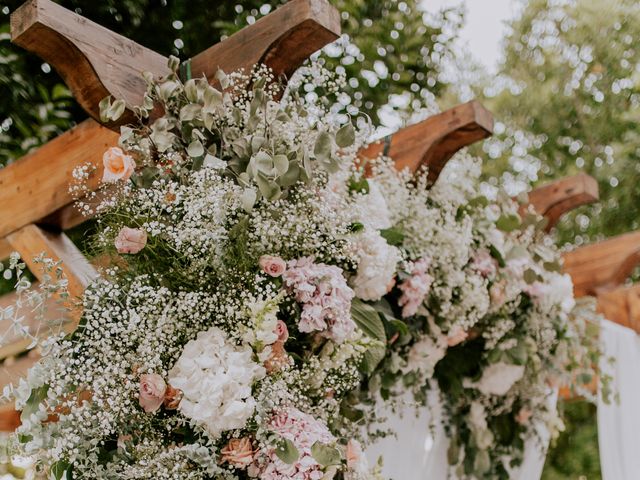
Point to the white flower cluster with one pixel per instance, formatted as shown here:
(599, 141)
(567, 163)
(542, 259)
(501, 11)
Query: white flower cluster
(216, 379)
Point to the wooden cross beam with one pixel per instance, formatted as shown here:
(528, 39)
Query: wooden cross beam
(603, 266)
(557, 198)
(622, 305)
(435, 140)
(96, 62)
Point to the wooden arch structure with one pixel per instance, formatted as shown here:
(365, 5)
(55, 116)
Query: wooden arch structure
(95, 62)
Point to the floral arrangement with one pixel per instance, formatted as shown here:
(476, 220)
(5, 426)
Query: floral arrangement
(266, 286)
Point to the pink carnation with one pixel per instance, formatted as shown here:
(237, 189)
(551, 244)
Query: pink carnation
(325, 297)
(415, 288)
(303, 431)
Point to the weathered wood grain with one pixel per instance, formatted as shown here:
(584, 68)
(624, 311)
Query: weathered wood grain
(38, 184)
(31, 241)
(557, 198)
(435, 140)
(622, 305)
(603, 266)
(53, 319)
(96, 62)
(92, 60)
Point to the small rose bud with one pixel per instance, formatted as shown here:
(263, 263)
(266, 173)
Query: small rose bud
(130, 240)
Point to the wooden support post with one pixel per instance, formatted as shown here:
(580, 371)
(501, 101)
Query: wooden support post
(557, 198)
(603, 266)
(96, 62)
(435, 140)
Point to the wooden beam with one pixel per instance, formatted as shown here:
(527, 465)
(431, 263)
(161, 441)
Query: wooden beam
(622, 305)
(12, 343)
(96, 62)
(557, 198)
(282, 40)
(92, 60)
(603, 266)
(5, 249)
(38, 184)
(435, 140)
(31, 241)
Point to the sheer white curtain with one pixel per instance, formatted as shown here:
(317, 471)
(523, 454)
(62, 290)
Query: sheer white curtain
(418, 453)
(619, 423)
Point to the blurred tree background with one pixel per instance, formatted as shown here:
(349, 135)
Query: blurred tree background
(565, 99)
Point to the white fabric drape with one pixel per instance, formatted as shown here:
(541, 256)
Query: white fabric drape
(619, 423)
(418, 453)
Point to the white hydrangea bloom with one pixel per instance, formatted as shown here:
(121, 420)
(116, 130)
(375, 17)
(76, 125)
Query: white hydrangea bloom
(425, 354)
(215, 377)
(376, 267)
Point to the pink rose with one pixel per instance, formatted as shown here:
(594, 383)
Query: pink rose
(130, 240)
(117, 165)
(238, 452)
(152, 390)
(523, 416)
(456, 335)
(274, 266)
(281, 331)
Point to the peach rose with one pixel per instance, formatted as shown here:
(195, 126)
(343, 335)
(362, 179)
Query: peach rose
(152, 390)
(172, 398)
(278, 358)
(117, 165)
(238, 452)
(456, 335)
(130, 240)
(353, 454)
(281, 331)
(523, 416)
(274, 266)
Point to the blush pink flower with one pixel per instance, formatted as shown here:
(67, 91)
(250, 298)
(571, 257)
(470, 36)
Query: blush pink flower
(354, 453)
(303, 431)
(117, 165)
(325, 298)
(152, 390)
(281, 331)
(273, 266)
(130, 240)
(415, 288)
(278, 358)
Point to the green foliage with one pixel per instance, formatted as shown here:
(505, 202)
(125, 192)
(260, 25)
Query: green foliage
(399, 51)
(572, 104)
(575, 454)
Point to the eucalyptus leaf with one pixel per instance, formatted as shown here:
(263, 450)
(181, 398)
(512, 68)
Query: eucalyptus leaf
(325, 455)
(248, 199)
(323, 146)
(346, 136)
(287, 451)
(195, 149)
(392, 236)
(508, 223)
